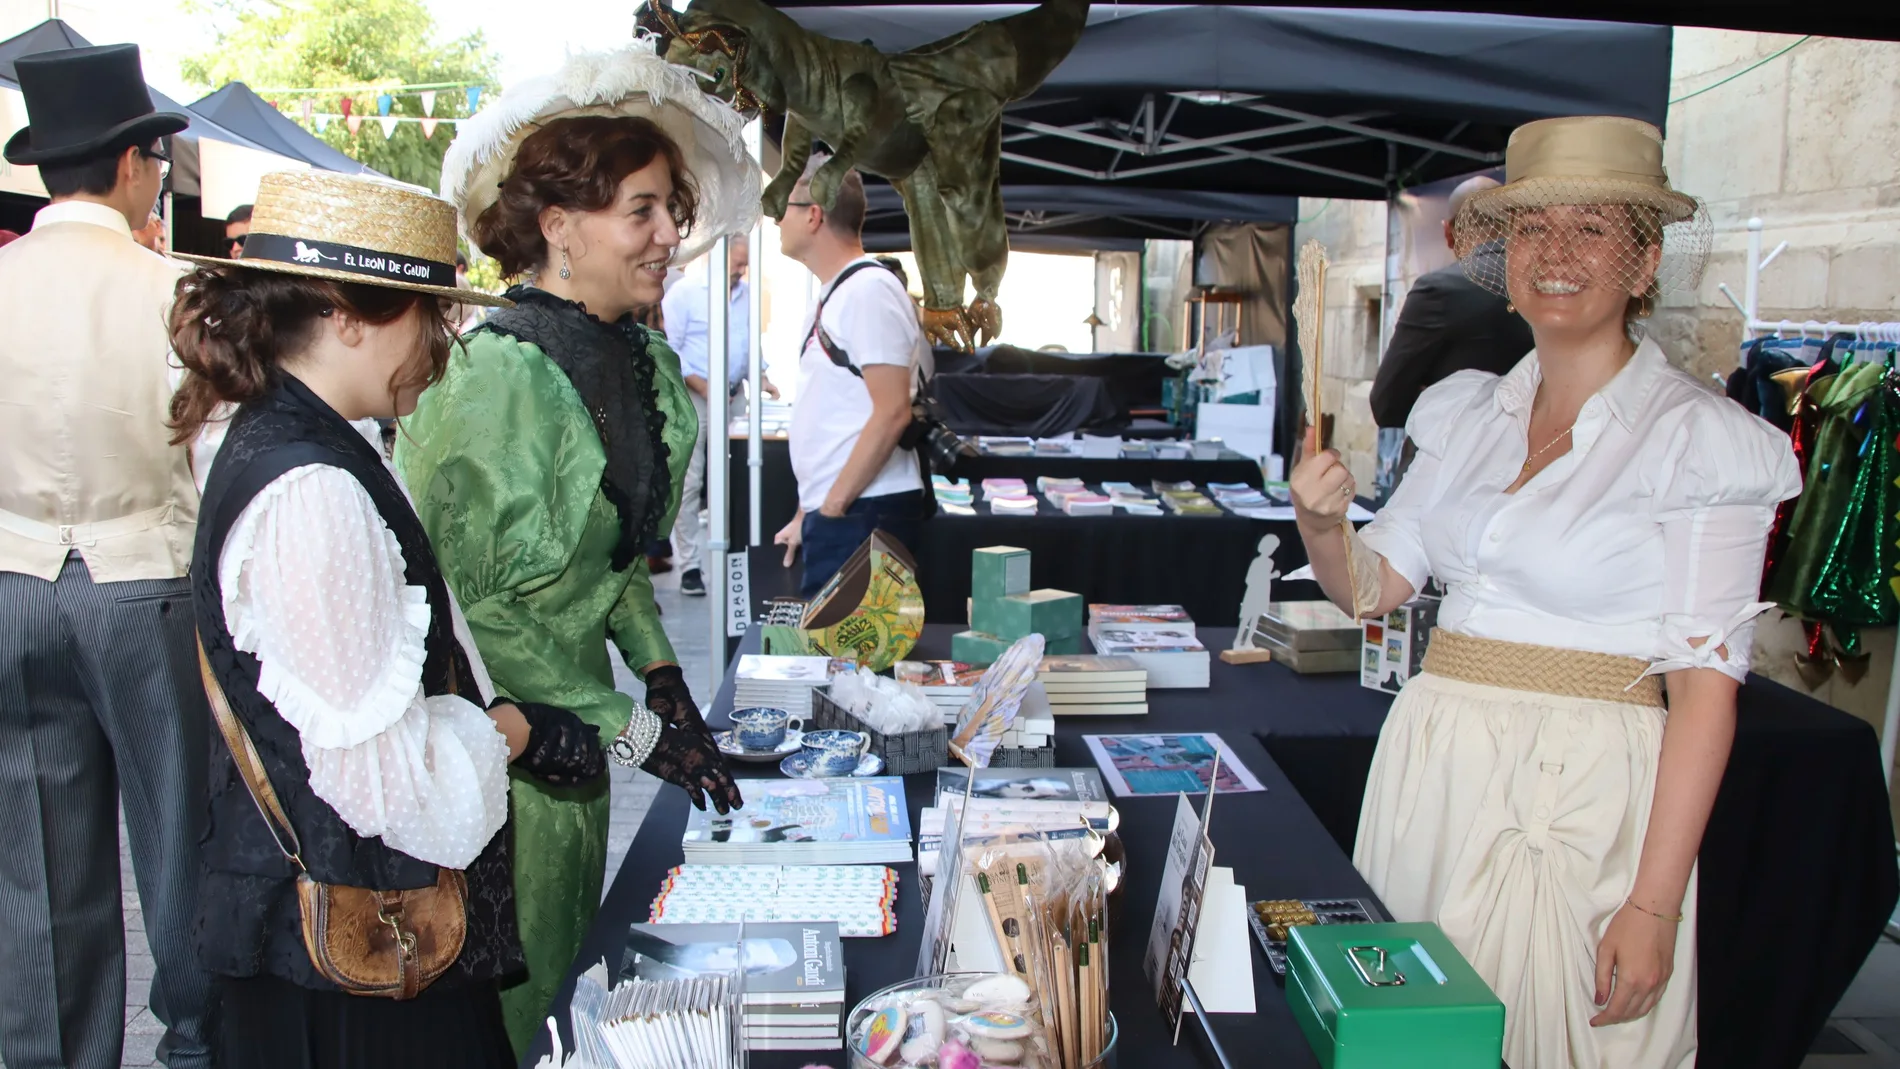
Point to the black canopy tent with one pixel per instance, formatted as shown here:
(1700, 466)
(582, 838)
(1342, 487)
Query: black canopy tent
(1090, 216)
(236, 107)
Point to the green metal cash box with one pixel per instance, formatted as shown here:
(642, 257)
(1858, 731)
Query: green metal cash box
(1391, 996)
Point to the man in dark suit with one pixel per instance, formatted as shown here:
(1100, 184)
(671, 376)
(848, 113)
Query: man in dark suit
(1448, 323)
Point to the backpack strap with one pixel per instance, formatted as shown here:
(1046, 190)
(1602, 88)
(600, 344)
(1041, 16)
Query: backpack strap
(831, 348)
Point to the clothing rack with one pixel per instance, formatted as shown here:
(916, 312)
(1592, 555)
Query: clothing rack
(1750, 307)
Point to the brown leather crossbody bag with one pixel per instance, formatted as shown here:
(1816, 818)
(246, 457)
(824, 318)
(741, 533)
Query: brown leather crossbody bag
(383, 944)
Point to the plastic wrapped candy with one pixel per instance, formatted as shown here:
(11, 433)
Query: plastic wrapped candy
(959, 1021)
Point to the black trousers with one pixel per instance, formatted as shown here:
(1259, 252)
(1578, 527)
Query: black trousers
(830, 541)
(274, 1024)
(99, 701)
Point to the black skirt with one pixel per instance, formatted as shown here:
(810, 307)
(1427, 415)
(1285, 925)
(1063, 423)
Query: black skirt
(268, 1023)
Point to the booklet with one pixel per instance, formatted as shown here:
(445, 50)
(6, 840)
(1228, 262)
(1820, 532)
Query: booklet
(794, 964)
(1138, 765)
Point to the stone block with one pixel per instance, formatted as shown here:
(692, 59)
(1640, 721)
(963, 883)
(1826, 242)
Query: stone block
(1843, 115)
(1864, 281)
(977, 648)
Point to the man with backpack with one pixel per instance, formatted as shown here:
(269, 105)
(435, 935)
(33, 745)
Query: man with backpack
(858, 373)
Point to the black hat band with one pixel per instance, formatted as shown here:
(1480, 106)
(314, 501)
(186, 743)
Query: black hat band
(374, 265)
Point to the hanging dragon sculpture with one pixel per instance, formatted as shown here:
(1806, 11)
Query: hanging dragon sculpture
(929, 121)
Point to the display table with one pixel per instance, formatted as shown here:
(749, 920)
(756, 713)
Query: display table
(778, 490)
(1797, 867)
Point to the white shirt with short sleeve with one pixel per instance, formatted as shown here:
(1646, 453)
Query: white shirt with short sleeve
(873, 320)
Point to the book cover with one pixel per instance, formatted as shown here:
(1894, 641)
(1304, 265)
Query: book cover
(795, 963)
(1114, 639)
(1039, 784)
(762, 668)
(938, 675)
(1157, 614)
(1086, 669)
(846, 810)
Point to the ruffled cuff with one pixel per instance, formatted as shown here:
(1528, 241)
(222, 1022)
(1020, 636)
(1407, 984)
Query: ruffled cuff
(397, 683)
(1726, 649)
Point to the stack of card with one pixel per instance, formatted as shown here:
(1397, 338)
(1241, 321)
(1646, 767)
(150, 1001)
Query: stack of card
(993, 488)
(1083, 685)
(794, 974)
(1013, 505)
(1239, 496)
(1087, 505)
(861, 899)
(655, 1024)
(765, 681)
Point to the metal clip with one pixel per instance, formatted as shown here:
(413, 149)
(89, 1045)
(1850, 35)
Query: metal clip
(1365, 975)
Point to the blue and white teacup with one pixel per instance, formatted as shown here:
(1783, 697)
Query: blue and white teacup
(762, 730)
(834, 752)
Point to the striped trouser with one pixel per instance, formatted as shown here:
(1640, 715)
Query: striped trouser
(99, 700)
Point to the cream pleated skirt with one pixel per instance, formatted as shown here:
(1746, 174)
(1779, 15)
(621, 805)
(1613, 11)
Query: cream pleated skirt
(1515, 820)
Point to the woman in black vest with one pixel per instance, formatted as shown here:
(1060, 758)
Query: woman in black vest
(333, 647)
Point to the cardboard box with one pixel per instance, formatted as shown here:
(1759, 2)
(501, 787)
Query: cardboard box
(1392, 649)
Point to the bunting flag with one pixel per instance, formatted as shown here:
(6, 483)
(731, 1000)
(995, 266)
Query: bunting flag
(474, 98)
(428, 129)
(354, 122)
(349, 108)
(428, 103)
(388, 123)
(383, 103)
(309, 108)
(323, 123)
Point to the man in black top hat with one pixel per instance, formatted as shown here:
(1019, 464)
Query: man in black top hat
(100, 702)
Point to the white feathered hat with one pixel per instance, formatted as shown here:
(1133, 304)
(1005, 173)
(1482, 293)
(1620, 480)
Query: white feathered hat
(631, 80)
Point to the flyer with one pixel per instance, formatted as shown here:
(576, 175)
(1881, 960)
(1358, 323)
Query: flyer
(1142, 765)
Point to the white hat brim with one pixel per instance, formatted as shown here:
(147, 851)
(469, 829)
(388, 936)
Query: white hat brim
(632, 80)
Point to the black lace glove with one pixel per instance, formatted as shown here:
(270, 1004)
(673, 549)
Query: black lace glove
(671, 700)
(688, 760)
(563, 750)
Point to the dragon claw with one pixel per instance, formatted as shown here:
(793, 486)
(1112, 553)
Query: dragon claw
(984, 318)
(946, 326)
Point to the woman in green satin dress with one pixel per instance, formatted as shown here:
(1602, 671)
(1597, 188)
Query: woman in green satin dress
(550, 452)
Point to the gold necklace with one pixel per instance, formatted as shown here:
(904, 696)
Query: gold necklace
(1565, 433)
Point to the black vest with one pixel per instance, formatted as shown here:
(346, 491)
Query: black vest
(248, 921)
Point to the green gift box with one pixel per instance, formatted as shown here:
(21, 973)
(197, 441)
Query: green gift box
(1391, 996)
(977, 648)
(998, 572)
(1053, 614)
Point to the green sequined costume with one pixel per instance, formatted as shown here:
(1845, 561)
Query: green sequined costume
(505, 467)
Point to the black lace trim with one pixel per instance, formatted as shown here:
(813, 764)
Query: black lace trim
(611, 368)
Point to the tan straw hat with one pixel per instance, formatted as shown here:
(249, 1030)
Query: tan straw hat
(352, 228)
(629, 80)
(1559, 161)
(1589, 162)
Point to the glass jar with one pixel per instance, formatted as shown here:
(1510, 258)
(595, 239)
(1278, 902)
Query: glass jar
(955, 982)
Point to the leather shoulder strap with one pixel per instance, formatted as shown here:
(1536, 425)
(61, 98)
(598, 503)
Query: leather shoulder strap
(833, 350)
(250, 764)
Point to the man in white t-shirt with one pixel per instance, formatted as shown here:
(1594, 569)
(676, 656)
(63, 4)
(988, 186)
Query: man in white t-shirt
(858, 370)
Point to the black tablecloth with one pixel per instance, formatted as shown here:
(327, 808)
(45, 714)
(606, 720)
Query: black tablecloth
(1797, 867)
(1271, 840)
(778, 490)
(1030, 406)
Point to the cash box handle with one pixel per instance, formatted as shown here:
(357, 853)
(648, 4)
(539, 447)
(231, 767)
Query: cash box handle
(1359, 966)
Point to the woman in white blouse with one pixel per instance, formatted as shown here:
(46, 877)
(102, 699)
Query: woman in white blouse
(330, 633)
(1598, 521)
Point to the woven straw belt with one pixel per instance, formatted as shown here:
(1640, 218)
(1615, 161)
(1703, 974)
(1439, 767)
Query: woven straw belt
(1602, 677)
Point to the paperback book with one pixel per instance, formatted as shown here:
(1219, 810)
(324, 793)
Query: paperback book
(841, 821)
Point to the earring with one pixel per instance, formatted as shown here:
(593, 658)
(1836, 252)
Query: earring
(566, 272)
(1511, 308)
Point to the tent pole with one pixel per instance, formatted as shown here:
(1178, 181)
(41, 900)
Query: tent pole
(1394, 247)
(718, 314)
(755, 389)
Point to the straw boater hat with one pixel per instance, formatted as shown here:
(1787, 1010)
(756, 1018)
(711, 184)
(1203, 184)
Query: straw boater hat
(1586, 160)
(352, 228)
(632, 80)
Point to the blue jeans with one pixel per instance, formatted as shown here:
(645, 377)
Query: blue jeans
(830, 542)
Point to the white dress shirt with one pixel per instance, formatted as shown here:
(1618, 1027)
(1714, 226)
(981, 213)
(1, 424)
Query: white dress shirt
(314, 587)
(687, 309)
(1648, 533)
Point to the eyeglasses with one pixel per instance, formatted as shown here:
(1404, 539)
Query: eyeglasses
(164, 161)
(801, 204)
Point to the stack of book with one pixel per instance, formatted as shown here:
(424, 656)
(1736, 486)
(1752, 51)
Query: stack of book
(1158, 638)
(1309, 636)
(844, 821)
(1051, 485)
(1131, 499)
(794, 975)
(953, 495)
(1084, 685)
(1009, 800)
(1239, 496)
(993, 488)
(1189, 503)
(1088, 505)
(860, 899)
(948, 684)
(1013, 505)
(765, 681)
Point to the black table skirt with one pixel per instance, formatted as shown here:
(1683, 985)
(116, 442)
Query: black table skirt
(1797, 867)
(778, 490)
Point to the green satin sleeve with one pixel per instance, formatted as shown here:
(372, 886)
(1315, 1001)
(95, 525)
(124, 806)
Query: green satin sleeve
(505, 472)
(635, 625)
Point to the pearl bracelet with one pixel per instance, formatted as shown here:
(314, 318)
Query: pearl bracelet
(635, 742)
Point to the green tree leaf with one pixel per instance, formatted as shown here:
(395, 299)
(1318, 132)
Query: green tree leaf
(286, 44)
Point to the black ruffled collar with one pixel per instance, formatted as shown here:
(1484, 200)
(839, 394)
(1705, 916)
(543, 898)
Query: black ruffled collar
(610, 367)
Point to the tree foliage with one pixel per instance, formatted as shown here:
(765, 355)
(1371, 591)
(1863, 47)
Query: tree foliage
(287, 44)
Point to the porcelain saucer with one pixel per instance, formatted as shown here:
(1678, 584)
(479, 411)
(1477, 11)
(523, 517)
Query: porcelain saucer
(798, 766)
(794, 740)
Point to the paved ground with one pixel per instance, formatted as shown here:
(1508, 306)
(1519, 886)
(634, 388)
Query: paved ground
(1864, 1035)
